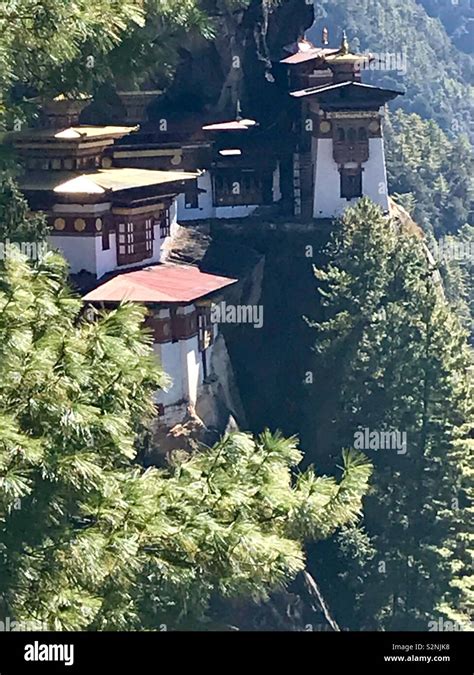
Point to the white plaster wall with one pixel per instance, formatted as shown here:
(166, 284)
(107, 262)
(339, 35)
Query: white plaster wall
(374, 177)
(276, 187)
(192, 368)
(234, 211)
(162, 246)
(182, 362)
(327, 200)
(205, 208)
(106, 260)
(169, 357)
(174, 217)
(79, 251)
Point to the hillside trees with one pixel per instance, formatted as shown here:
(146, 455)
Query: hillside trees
(456, 258)
(434, 74)
(392, 357)
(457, 18)
(422, 161)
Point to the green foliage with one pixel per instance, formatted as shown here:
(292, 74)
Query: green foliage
(38, 38)
(429, 171)
(57, 47)
(88, 538)
(457, 269)
(391, 355)
(457, 18)
(147, 54)
(17, 223)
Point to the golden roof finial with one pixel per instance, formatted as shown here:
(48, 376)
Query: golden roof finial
(344, 44)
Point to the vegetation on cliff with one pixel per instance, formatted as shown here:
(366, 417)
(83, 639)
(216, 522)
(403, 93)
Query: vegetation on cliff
(393, 363)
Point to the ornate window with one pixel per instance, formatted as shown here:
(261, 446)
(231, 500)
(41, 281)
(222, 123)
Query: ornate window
(233, 187)
(351, 183)
(134, 241)
(350, 142)
(351, 136)
(149, 237)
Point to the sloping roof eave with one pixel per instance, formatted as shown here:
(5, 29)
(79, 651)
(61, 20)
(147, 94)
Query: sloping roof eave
(159, 284)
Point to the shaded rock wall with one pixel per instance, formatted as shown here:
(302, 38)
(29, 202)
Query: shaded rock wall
(237, 64)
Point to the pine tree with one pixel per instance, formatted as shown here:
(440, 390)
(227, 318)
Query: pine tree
(17, 223)
(455, 254)
(399, 362)
(91, 540)
(430, 171)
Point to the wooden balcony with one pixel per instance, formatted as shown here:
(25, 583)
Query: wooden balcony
(344, 152)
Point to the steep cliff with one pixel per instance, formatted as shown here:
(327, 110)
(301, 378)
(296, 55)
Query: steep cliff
(236, 66)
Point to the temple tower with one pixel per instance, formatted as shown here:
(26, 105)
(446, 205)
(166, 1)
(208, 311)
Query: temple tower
(341, 143)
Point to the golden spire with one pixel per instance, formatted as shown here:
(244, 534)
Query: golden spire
(344, 44)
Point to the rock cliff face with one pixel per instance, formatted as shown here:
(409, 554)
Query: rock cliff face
(237, 66)
(268, 362)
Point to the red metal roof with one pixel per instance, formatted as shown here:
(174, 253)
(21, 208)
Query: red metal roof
(159, 283)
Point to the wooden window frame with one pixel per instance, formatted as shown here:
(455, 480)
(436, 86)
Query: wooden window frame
(205, 328)
(223, 183)
(351, 183)
(165, 224)
(105, 236)
(135, 241)
(191, 195)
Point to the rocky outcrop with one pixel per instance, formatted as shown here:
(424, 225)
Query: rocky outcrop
(218, 402)
(237, 65)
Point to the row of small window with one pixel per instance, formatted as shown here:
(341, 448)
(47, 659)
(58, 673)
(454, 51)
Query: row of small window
(233, 187)
(67, 163)
(351, 135)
